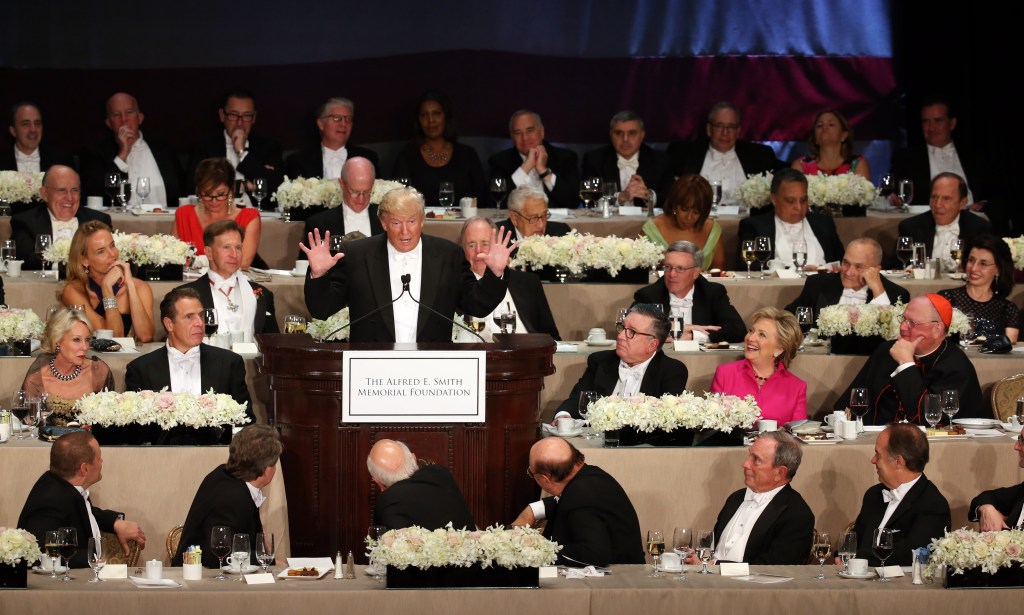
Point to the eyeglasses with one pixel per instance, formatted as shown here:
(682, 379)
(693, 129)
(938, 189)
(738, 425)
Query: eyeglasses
(529, 471)
(913, 323)
(235, 116)
(676, 268)
(347, 119)
(530, 220)
(220, 197)
(725, 127)
(630, 331)
(360, 194)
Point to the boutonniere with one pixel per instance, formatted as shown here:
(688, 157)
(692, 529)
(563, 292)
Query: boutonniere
(257, 292)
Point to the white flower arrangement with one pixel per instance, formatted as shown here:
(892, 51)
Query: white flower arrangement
(319, 329)
(17, 545)
(882, 320)
(163, 408)
(518, 547)
(1016, 250)
(578, 253)
(303, 192)
(57, 251)
(964, 549)
(19, 324)
(671, 412)
(157, 250)
(18, 187)
(382, 187)
(844, 189)
(755, 191)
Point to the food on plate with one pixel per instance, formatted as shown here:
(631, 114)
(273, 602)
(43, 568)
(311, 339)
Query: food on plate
(303, 572)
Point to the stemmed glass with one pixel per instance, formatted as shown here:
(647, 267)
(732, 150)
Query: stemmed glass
(21, 408)
(705, 549)
(956, 252)
(881, 544)
(43, 242)
(190, 256)
(220, 544)
(906, 192)
(142, 186)
(716, 195)
(587, 398)
(41, 410)
(822, 549)
(446, 194)
(240, 551)
(124, 194)
(859, 401)
(259, 190)
(951, 403)
(265, 550)
(67, 541)
(608, 191)
(932, 409)
(112, 182)
(763, 250)
(620, 316)
(847, 549)
(97, 559)
(805, 318)
(499, 186)
(210, 321)
(52, 547)
(656, 546)
(373, 536)
(886, 185)
(799, 257)
(682, 545)
(748, 254)
(904, 250)
(8, 250)
(590, 188)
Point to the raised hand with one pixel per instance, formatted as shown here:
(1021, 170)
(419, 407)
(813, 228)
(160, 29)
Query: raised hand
(319, 253)
(500, 253)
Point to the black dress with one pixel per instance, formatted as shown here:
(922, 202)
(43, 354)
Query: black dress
(990, 317)
(463, 169)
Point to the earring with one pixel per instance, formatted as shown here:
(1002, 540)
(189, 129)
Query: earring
(56, 349)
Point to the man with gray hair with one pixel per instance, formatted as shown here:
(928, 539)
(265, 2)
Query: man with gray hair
(414, 493)
(701, 310)
(640, 172)
(528, 215)
(334, 120)
(535, 162)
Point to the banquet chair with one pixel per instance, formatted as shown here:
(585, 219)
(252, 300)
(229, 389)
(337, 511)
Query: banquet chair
(1004, 396)
(173, 537)
(115, 554)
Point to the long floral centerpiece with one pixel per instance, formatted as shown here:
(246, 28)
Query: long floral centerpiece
(964, 549)
(869, 320)
(306, 192)
(135, 248)
(577, 253)
(844, 189)
(19, 324)
(16, 187)
(1016, 250)
(327, 330)
(670, 412)
(163, 408)
(518, 547)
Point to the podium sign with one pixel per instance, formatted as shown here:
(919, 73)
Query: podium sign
(419, 386)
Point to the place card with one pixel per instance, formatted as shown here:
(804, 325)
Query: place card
(549, 572)
(127, 343)
(889, 571)
(686, 346)
(728, 210)
(114, 571)
(630, 210)
(787, 274)
(259, 578)
(734, 569)
(244, 348)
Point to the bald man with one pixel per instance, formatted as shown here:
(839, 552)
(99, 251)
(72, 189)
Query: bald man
(414, 493)
(588, 512)
(356, 212)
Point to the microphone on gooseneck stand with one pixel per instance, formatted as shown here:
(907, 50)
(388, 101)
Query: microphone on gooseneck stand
(405, 287)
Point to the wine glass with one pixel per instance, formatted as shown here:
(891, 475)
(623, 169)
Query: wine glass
(932, 409)
(805, 318)
(763, 250)
(373, 536)
(259, 190)
(609, 190)
(220, 544)
(111, 183)
(446, 194)
(904, 250)
(682, 545)
(21, 408)
(860, 399)
(590, 188)
(265, 550)
(142, 186)
(43, 242)
(210, 320)
(620, 316)
(190, 256)
(586, 399)
(716, 195)
(96, 558)
(240, 552)
(881, 544)
(951, 403)
(847, 549)
(799, 257)
(124, 194)
(748, 254)
(508, 322)
(887, 185)
(822, 549)
(8, 249)
(656, 546)
(956, 252)
(705, 549)
(906, 192)
(52, 547)
(41, 410)
(67, 543)
(499, 186)
(294, 324)
(405, 181)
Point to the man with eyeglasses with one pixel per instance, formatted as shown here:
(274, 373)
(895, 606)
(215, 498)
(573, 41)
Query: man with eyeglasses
(132, 155)
(899, 374)
(636, 366)
(528, 215)
(640, 172)
(356, 212)
(1000, 509)
(334, 120)
(29, 155)
(251, 155)
(532, 161)
(702, 308)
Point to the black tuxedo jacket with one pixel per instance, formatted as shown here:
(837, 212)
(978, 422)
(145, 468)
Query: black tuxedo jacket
(221, 499)
(28, 225)
(664, 375)
(1008, 501)
(912, 163)
(48, 156)
(54, 503)
(333, 220)
(922, 228)
(430, 498)
(531, 302)
(263, 160)
(763, 225)
(98, 160)
(362, 282)
(688, 157)
(922, 514)
(654, 168)
(711, 306)
(265, 320)
(594, 522)
(783, 533)
(563, 163)
(309, 161)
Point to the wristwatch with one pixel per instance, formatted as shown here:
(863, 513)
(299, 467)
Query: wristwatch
(545, 173)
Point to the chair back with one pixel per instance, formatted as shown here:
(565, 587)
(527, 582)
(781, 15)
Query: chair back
(1005, 394)
(115, 553)
(173, 537)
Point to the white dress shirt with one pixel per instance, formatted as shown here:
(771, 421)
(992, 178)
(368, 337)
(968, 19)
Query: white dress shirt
(733, 541)
(860, 297)
(333, 161)
(627, 168)
(141, 163)
(725, 167)
(944, 236)
(60, 229)
(682, 307)
(27, 163)
(787, 234)
(241, 197)
(893, 497)
(356, 221)
(257, 496)
(490, 328)
(405, 309)
(630, 378)
(945, 160)
(186, 376)
(235, 303)
(521, 178)
(92, 520)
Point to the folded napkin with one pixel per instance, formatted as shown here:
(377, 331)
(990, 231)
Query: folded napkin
(320, 563)
(580, 573)
(566, 347)
(145, 583)
(114, 571)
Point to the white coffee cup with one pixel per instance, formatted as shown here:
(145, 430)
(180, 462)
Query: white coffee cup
(14, 268)
(468, 205)
(192, 572)
(565, 424)
(847, 430)
(154, 569)
(834, 418)
(301, 267)
(858, 566)
(238, 563)
(767, 425)
(671, 561)
(597, 334)
(94, 202)
(103, 334)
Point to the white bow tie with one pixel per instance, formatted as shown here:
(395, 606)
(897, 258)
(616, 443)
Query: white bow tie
(406, 257)
(187, 360)
(628, 163)
(718, 156)
(335, 155)
(757, 498)
(626, 372)
(861, 294)
(33, 157)
(890, 495)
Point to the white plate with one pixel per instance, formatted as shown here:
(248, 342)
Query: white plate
(830, 439)
(1010, 427)
(38, 570)
(664, 569)
(600, 344)
(569, 434)
(870, 574)
(283, 575)
(895, 274)
(247, 570)
(942, 438)
(298, 274)
(976, 423)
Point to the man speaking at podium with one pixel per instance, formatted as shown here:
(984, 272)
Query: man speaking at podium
(403, 264)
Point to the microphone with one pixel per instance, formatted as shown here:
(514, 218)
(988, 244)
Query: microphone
(406, 278)
(405, 287)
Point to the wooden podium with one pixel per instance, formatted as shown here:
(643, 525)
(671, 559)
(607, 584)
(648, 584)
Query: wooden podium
(330, 494)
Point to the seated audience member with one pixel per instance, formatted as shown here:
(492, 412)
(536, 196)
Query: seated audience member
(335, 121)
(60, 218)
(946, 221)
(231, 494)
(763, 372)
(904, 501)
(63, 370)
(127, 152)
(29, 155)
(636, 366)
(532, 161)
(242, 305)
(528, 215)
(435, 155)
(250, 156)
(1000, 509)
(682, 292)
(588, 513)
(687, 217)
(186, 365)
(412, 493)
(356, 212)
(768, 523)
(791, 223)
(830, 148)
(988, 265)
(215, 187)
(525, 295)
(641, 173)
(900, 373)
(858, 282)
(60, 498)
(99, 281)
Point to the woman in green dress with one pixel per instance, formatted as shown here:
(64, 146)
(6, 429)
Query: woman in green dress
(687, 217)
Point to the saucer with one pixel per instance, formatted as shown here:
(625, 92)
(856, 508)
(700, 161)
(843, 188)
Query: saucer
(870, 574)
(567, 434)
(601, 343)
(298, 274)
(247, 570)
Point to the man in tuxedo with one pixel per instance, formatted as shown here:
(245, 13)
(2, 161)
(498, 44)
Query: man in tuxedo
(588, 512)
(536, 163)
(230, 495)
(425, 495)
(900, 373)
(525, 296)
(702, 308)
(722, 156)
(132, 155)
(403, 286)
(641, 173)
(636, 366)
(528, 215)
(356, 212)
(60, 218)
(792, 223)
(186, 365)
(997, 509)
(946, 221)
(904, 501)
(334, 120)
(251, 155)
(242, 305)
(60, 498)
(29, 155)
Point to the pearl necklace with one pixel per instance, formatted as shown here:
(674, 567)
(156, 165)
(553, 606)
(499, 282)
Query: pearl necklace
(62, 377)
